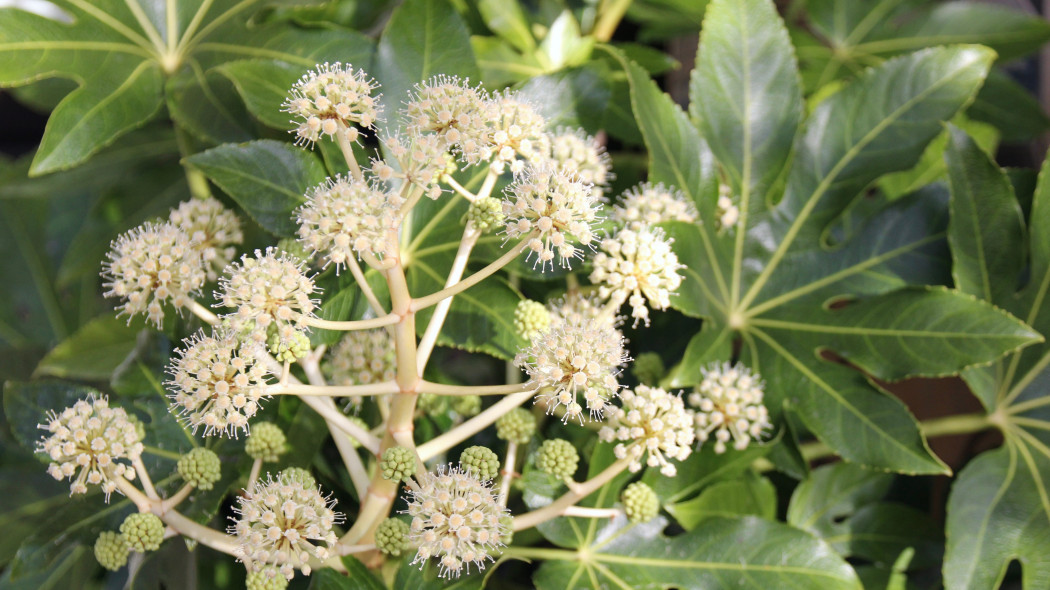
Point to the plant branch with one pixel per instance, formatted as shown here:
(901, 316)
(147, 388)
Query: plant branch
(484, 273)
(445, 389)
(437, 321)
(446, 441)
(334, 390)
(350, 325)
(558, 507)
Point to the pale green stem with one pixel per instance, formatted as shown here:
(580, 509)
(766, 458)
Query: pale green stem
(445, 389)
(253, 476)
(612, 12)
(484, 273)
(355, 269)
(507, 472)
(347, 147)
(350, 325)
(453, 437)
(204, 313)
(334, 390)
(557, 508)
(459, 188)
(437, 320)
(147, 483)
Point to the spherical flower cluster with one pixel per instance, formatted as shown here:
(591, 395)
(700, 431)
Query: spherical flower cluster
(344, 216)
(213, 231)
(575, 152)
(86, 441)
(392, 537)
(649, 204)
(729, 403)
(648, 368)
(142, 531)
(557, 457)
(640, 502)
(329, 99)
(486, 214)
(111, 550)
(200, 468)
(266, 442)
(299, 474)
(479, 461)
(265, 578)
(362, 357)
(295, 346)
(267, 289)
(455, 518)
(453, 111)
(283, 522)
(550, 209)
(516, 130)
(531, 318)
(421, 160)
(575, 356)
(636, 266)
(466, 405)
(516, 426)
(726, 211)
(654, 421)
(217, 382)
(150, 266)
(397, 464)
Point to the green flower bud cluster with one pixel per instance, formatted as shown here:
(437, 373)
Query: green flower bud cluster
(480, 462)
(289, 350)
(466, 405)
(200, 468)
(111, 550)
(486, 214)
(431, 404)
(300, 475)
(531, 318)
(640, 502)
(266, 442)
(648, 368)
(364, 426)
(516, 426)
(142, 531)
(392, 537)
(557, 457)
(397, 464)
(267, 578)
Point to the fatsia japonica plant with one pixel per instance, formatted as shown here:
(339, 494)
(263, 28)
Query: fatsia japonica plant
(356, 314)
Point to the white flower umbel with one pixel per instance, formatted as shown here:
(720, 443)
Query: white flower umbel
(649, 204)
(652, 421)
(151, 266)
(344, 216)
(726, 211)
(421, 160)
(362, 357)
(575, 152)
(637, 266)
(284, 522)
(455, 112)
(217, 383)
(213, 229)
(456, 518)
(87, 442)
(728, 403)
(516, 130)
(330, 98)
(575, 357)
(269, 288)
(553, 209)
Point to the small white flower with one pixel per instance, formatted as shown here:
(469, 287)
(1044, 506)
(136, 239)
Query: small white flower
(217, 383)
(455, 112)
(726, 211)
(576, 357)
(575, 152)
(150, 266)
(421, 160)
(728, 403)
(344, 216)
(516, 130)
(652, 421)
(87, 443)
(551, 210)
(283, 522)
(330, 98)
(637, 266)
(649, 204)
(455, 519)
(267, 289)
(213, 231)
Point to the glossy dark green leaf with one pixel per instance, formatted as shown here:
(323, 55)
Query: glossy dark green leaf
(413, 577)
(267, 178)
(749, 495)
(93, 352)
(507, 19)
(708, 345)
(701, 469)
(1010, 108)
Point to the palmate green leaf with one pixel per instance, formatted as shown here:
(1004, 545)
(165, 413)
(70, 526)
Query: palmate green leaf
(749, 495)
(93, 352)
(767, 280)
(267, 179)
(719, 553)
(1010, 108)
(998, 510)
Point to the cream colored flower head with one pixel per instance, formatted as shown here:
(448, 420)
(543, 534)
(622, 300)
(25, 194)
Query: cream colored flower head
(728, 406)
(577, 153)
(650, 204)
(91, 443)
(554, 212)
(456, 519)
(726, 211)
(653, 423)
(516, 133)
(362, 357)
(268, 289)
(421, 160)
(152, 266)
(284, 522)
(455, 112)
(331, 98)
(214, 231)
(637, 267)
(344, 217)
(217, 383)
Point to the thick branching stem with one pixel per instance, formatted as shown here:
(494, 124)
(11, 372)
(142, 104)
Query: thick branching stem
(446, 441)
(558, 507)
(349, 325)
(474, 279)
(334, 390)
